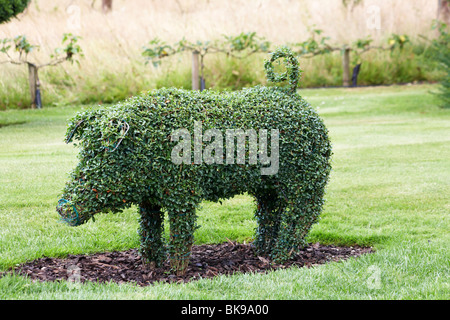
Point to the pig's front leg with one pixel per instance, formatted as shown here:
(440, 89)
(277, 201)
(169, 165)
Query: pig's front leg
(151, 232)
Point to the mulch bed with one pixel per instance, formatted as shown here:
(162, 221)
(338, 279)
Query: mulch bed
(207, 261)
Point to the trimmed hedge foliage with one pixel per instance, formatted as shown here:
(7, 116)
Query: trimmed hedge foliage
(11, 8)
(125, 159)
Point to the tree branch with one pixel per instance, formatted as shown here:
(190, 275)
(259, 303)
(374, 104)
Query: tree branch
(53, 63)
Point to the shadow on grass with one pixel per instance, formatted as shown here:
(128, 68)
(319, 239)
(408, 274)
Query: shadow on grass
(347, 240)
(11, 124)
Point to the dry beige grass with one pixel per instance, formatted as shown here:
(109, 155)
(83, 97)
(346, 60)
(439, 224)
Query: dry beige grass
(114, 41)
(136, 21)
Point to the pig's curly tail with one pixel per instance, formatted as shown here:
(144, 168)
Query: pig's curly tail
(293, 71)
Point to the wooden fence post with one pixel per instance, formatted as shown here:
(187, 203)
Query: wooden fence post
(195, 75)
(346, 67)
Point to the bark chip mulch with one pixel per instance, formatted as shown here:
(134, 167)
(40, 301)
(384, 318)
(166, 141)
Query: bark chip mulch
(206, 261)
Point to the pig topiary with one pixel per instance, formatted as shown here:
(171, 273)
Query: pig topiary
(164, 152)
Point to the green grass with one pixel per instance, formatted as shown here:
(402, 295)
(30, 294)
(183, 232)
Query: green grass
(389, 189)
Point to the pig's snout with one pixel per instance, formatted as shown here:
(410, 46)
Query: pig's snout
(69, 212)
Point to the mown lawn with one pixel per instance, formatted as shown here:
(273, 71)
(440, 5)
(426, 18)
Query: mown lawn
(389, 188)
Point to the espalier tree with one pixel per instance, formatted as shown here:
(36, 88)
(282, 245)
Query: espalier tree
(164, 152)
(21, 49)
(246, 44)
(11, 8)
(318, 44)
(239, 46)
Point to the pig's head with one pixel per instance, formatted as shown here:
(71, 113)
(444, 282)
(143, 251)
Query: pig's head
(106, 176)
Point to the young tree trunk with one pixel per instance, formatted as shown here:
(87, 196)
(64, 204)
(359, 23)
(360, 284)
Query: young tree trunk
(443, 13)
(106, 6)
(33, 79)
(202, 77)
(356, 70)
(346, 67)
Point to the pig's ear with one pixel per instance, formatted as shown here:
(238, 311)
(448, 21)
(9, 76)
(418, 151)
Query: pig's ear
(81, 120)
(72, 130)
(113, 132)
